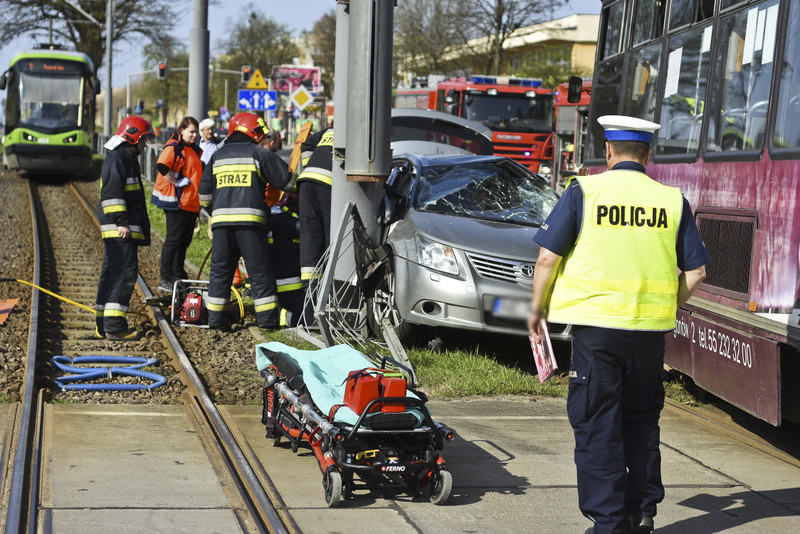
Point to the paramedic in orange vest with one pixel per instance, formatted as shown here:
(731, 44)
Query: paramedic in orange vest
(179, 171)
(609, 263)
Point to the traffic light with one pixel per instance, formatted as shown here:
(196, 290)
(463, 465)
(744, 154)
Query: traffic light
(162, 70)
(246, 73)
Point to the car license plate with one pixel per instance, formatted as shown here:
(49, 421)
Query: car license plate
(510, 308)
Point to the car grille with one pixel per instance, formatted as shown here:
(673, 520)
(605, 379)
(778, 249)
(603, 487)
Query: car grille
(501, 269)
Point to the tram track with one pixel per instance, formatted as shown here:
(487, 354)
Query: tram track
(779, 443)
(65, 261)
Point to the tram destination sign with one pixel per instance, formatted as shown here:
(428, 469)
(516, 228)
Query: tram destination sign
(51, 66)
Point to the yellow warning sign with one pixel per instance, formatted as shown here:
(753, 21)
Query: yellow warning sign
(257, 81)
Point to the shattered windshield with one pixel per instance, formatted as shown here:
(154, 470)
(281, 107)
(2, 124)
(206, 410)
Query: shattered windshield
(511, 112)
(492, 191)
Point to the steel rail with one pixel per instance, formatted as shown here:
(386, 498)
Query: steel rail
(242, 473)
(20, 513)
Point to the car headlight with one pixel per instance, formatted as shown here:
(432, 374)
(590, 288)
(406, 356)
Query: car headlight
(436, 256)
(29, 137)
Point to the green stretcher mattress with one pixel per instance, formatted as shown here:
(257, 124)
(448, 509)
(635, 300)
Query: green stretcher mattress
(324, 373)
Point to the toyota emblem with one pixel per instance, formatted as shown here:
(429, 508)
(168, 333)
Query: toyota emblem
(526, 269)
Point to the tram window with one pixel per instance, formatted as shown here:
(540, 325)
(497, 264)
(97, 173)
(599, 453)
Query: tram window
(787, 118)
(725, 4)
(742, 76)
(649, 20)
(681, 13)
(639, 91)
(605, 97)
(613, 26)
(684, 92)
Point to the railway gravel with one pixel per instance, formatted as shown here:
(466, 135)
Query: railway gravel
(16, 261)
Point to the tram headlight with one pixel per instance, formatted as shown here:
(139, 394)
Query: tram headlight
(29, 137)
(71, 139)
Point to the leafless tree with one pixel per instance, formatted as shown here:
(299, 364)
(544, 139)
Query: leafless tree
(150, 19)
(424, 31)
(485, 25)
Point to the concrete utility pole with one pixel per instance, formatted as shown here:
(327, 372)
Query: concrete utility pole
(362, 99)
(109, 46)
(198, 62)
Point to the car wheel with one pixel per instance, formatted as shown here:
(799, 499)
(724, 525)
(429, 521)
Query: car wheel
(381, 304)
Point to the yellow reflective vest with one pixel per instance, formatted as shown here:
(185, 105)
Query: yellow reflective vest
(622, 271)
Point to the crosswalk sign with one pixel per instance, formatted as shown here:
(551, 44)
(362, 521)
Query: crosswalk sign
(257, 81)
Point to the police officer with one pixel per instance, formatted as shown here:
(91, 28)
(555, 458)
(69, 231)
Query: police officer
(314, 187)
(234, 185)
(610, 254)
(124, 226)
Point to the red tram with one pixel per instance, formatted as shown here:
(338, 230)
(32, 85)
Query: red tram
(722, 78)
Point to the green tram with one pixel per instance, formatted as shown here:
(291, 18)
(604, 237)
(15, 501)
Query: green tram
(49, 113)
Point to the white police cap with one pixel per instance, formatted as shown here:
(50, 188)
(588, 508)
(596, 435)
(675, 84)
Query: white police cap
(624, 128)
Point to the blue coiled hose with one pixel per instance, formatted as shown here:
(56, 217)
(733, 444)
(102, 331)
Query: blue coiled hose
(82, 374)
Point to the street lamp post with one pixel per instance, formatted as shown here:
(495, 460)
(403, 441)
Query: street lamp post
(109, 46)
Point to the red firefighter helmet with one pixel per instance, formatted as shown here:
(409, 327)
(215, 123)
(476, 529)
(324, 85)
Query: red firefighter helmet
(249, 124)
(133, 127)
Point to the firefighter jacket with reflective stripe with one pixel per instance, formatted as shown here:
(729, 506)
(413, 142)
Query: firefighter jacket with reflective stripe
(622, 271)
(235, 180)
(122, 201)
(320, 164)
(307, 147)
(184, 163)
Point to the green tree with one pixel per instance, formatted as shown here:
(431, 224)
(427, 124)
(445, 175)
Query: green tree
(173, 90)
(552, 66)
(258, 41)
(132, 20)
(322, 43)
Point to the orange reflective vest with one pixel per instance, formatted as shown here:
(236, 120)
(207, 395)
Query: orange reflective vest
(185, 165)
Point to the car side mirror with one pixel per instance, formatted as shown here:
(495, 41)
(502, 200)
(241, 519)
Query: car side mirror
(388, 211)
(3, 81)
(575, 88)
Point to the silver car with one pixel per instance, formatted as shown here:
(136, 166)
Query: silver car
(457, 233)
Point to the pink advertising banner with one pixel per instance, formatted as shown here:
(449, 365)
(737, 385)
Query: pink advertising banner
(286, 78)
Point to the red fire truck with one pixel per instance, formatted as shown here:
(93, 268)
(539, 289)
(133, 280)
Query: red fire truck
(572, 127)
(517, 110)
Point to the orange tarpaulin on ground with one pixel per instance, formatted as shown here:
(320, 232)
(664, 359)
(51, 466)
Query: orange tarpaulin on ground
(6, 305)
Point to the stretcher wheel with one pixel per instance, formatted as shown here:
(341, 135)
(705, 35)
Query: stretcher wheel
(441, 485)
(332, 482)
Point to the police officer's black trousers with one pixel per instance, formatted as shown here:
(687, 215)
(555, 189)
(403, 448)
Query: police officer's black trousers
(180, 230)
(117, 278)
(616, 394)
(249, 242)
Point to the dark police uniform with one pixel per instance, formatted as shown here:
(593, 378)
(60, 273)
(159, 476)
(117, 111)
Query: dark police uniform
(122, 203)
(284, 244)
(616, 374)
(233, 186)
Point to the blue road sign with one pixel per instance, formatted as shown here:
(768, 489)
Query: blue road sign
(256, 100)
(137, 110)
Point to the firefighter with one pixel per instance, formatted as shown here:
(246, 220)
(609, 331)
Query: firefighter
(314, 187)
(234, 186)
(284, 244)
(124, 226)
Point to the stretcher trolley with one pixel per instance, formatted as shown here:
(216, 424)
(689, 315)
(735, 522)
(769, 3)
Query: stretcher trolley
(367, 427)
